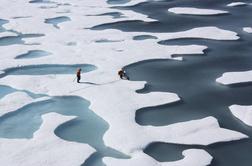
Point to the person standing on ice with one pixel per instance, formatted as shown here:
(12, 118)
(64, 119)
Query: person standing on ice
(78, 75)
(122, 74)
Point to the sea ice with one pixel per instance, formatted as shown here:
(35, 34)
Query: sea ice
(114, 100)
(244, 113)
(233, 4)
(247, 29)
(235, 77)
(196, 11)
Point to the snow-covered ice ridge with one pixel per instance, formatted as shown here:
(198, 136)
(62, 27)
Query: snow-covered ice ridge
(196, 11)
(117, 110)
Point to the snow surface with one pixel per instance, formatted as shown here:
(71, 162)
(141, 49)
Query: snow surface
(234, 4)
(191, 158)
(7, 34)
(114, 100)
(196, 11)
(44, 148)
(244, 113)
(16, 100)
(247, 29)
(235, 77)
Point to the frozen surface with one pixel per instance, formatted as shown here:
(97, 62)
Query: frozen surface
(247, 29)
(196, 11)
(44, 148)
(233, 4)
(192, 157)
(235, 77)
(244, 113)
(7, 34)
(72, 43)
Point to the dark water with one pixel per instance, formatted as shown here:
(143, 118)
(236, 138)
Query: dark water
(194, 78)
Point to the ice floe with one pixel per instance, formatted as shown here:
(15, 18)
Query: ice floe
(45, 148)
(233, 4)
(247, 29)
(213, 33)
(196, 11)
(235, 77)
(244, 113)
(192, 157)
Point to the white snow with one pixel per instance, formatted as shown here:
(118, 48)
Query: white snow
(16, 100)
(244, 113)
(235, 77)
(192, 157)
(7, 34)
(196, 11)
(247, 29)
(44, 148)
(234, 4)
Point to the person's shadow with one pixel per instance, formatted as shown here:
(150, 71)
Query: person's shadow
(90, 83)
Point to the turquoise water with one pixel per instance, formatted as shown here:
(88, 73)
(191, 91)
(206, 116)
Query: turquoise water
(5, 90)
(86, 128)
(117, 2)
(48, 69)
(12, 40)
(2, 22)
(144, 37)
(33, 54)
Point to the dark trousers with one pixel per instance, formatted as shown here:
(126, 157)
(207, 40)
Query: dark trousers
(124, 76)
(78, 79)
